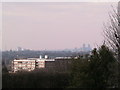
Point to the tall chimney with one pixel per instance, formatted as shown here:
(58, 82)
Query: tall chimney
(40, 57)
(46, 56)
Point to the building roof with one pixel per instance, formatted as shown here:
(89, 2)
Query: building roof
(23, 60)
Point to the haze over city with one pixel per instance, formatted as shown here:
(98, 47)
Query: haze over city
(53, 26)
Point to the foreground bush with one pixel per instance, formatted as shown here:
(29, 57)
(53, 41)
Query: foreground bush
(35, 79)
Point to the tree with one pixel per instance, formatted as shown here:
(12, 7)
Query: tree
(102, 65)
(112, 34)
(95, 72)
(4, 68)
(79, 74)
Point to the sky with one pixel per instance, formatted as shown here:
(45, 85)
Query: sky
(59, 0)
(53, 26)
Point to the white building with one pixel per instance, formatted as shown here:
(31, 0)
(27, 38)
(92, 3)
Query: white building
(23, 64)
(29, 64)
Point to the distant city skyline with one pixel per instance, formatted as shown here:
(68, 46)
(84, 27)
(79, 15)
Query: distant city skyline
(53, 26)
(84, 47)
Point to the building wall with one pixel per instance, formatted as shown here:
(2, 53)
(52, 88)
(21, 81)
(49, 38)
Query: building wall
(27, 65)
(40, 64)
(63, 64)
(50, 64)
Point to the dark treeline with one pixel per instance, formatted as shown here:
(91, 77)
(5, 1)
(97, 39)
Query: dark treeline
(36, 79)
(99, 71)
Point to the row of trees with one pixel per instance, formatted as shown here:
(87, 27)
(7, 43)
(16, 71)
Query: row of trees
(96, 72)
(35, 79)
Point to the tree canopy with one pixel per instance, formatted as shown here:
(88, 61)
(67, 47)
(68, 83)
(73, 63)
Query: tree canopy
(96, 72)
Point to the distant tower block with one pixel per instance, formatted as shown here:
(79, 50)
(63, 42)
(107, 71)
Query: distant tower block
(19, 49)
(88, 45)
(46, 56)
(40, 57)
(83, 45)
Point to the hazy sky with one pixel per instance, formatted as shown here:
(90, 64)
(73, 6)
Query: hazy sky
(51, 26)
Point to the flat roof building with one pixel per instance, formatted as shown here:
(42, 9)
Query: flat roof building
(23, 64)
(31, 64)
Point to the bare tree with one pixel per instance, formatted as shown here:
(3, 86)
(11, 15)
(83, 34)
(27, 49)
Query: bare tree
(112, 31)
(112, 35)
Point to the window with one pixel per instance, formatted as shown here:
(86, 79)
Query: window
(19, 62)
(15, 68)
(19, 67)
(24, 62)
